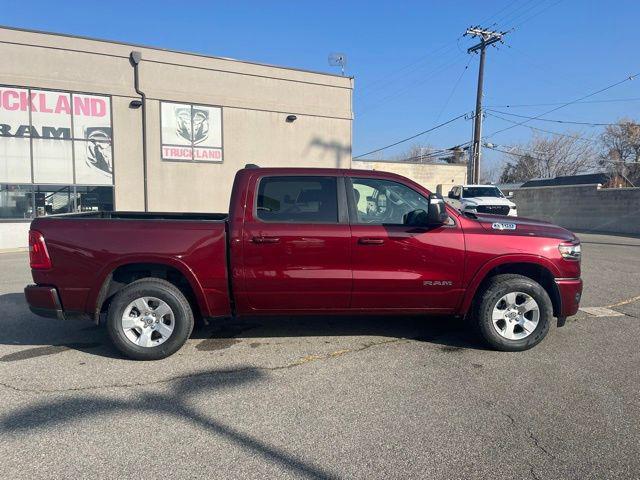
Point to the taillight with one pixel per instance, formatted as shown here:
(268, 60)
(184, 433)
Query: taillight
(38, 255)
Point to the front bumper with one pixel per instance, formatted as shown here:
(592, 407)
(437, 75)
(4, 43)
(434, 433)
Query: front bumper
(44, 301)
(570, 290)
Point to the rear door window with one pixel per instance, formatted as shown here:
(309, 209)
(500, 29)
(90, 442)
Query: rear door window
(297, 199)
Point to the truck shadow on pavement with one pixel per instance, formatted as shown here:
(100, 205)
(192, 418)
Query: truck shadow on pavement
(50, 336)
(176, 402)
(448, 332)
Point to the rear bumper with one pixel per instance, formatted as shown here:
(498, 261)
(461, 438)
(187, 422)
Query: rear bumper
(44, 301)
(570, 290)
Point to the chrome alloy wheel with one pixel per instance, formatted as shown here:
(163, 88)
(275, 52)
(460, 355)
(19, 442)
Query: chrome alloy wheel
(515, 316)
(148, 321)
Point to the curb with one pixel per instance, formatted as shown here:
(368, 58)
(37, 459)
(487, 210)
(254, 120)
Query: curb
(14, 250)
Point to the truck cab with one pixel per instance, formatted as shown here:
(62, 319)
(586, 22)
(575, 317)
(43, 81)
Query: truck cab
(486, 199)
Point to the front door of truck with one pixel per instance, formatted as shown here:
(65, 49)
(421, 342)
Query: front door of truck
(396, 266)
(297, 244)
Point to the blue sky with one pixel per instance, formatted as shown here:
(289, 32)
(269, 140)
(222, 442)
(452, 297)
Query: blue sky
(407, 57)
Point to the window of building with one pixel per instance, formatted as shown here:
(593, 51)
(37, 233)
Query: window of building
(297, 199)
(191, 133)
(384, 202)
(91, 199)
(49, 136)
(29, 201)
(16, 201)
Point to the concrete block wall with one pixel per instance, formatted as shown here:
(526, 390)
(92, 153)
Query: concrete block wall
(583, 207)
(429, 175)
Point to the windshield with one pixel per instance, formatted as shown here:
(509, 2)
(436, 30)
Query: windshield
(481, 192)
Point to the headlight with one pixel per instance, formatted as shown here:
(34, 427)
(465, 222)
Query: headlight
(570, 251)
(513, 207)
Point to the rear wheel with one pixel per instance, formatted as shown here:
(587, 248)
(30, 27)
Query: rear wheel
(513, 313)
(149, 319)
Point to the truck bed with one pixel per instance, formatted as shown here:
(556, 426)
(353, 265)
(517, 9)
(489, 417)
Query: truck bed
(86, 248)
(143, 216)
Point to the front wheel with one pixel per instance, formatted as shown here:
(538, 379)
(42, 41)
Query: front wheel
(513, 313)
(149, 319)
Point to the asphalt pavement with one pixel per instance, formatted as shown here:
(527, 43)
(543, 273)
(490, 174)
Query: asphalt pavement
(328, 397)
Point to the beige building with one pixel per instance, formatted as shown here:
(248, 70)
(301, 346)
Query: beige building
(429, 175)
(71, 126)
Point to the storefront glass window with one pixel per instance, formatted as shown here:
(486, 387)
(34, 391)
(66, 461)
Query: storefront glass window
(16, 201)
(28, 201)
(90, 199)
(49, 136)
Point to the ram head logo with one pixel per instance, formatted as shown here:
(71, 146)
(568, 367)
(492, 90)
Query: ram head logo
(192, 124)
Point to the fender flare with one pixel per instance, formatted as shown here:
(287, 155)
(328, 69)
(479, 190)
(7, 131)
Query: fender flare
(482, 272)
(104, 278)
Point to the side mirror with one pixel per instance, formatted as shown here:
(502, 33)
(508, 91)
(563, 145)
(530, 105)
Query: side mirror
(437, 214)
(416, 218)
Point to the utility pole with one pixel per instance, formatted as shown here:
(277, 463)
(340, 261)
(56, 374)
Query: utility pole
(487, 37)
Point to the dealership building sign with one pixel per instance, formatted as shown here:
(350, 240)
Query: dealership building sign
(191, 132)
(56, 137)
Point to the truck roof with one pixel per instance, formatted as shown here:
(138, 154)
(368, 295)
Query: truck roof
(470, 185)
(252, 169)
(319, 170)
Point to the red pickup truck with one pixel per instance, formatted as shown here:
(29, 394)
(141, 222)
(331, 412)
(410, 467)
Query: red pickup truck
(304, 241)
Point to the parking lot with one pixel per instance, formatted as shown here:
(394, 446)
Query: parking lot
(330, 397)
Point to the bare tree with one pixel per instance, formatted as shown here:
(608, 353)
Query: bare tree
(548, 157)
(426, 153)
(621, 150)
(489, 173)
(417, 152)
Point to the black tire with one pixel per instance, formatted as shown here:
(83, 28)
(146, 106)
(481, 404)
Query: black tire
(165, 291)
(493, 291)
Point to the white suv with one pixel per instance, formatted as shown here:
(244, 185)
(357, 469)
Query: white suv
(481, 199)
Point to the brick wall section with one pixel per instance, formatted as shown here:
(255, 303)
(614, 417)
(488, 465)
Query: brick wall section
(583, 207)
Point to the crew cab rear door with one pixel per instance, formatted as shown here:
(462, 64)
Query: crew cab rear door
(395, 266)
(296, 244)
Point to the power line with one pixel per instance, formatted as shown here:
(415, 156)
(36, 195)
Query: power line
(427, 156)
(453, 90)
(512, 153)
(575, 137)
(534, 15)
(630, 77)
(408, 88)
(612, 100)
(530, 62)
(381, 79)
(540, 159)
(412, 136)
(490, 17)
(589, 124)
(502, 19)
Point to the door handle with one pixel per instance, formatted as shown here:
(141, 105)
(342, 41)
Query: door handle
(370, 241)
(262, 239)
